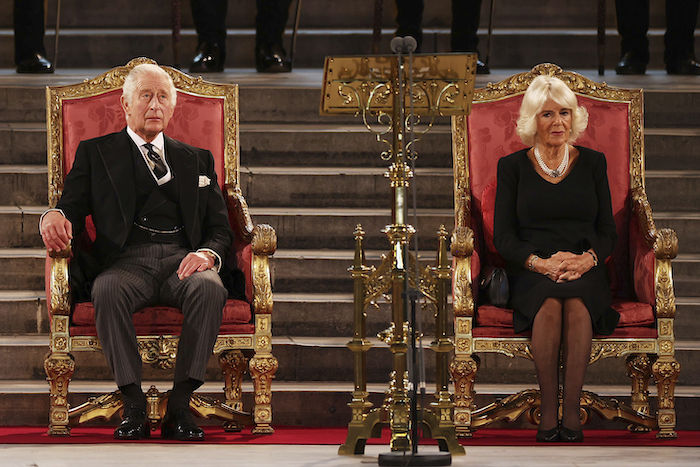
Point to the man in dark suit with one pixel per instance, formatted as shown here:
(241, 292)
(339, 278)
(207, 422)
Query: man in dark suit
(679, 40)
(162, 233)
(465, 23)
(30, 55)
(210, 21)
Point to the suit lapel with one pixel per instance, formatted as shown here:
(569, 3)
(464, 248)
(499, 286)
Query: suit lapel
(184, 165)
(118, 162)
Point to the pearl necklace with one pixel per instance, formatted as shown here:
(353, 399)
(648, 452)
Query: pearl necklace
(559, 171)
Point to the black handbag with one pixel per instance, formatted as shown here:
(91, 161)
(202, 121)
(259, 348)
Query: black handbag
(494, 287)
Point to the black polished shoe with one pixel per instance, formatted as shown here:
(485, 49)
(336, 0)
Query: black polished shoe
(179, 424)
(482, 68)
(134, 425)
(683, 67)
(208, 59)
(548, 436)
(37, 63)
(630, 65)
(272, 59)
(570, 436)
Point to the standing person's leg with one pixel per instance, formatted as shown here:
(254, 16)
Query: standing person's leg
(546, 339)
(30, 54)
(409, 20)
(465, 24)
(201, 298)
(210, 21)
(681, 19)
(578, 334)
(632, 25)
(270, 21)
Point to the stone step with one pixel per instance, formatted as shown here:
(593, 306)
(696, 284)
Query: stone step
(22, 268)
(367, 187)
(328, 144)
(518, 47)
(19, 226)
(23, 359)
(670, 101)
(324, 402)
(314, 13)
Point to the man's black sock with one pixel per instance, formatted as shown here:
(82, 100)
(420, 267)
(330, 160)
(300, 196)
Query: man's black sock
(133, 396)
(182, 392)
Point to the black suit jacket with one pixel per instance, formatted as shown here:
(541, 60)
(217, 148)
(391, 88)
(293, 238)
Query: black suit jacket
(101, 183)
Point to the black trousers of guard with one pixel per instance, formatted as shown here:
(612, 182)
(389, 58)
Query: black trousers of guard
(465, 22)
(29, 28)
(145, 275)
(210, 21)
(679, 40)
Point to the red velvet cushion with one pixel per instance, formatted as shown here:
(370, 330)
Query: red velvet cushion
(161, 319)
(631, 314)
(631, 332)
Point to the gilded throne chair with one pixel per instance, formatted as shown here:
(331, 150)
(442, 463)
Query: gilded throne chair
(206, 116)
(639, 268)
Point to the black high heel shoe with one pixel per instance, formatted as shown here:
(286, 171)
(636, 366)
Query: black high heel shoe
(548, 436)
(570, 436)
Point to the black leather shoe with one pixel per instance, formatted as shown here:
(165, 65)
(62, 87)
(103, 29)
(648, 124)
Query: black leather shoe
(134, 425)
(37, 63)
(208, 59)
(548, 436)
(482, 68)
(630, 65)
(570, 436)
(272, 59)
(683, 67)
(179, 424)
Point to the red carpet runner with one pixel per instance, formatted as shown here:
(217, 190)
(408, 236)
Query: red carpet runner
(336, 435)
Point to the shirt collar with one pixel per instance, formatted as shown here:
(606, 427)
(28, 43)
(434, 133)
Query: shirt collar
(158, 142)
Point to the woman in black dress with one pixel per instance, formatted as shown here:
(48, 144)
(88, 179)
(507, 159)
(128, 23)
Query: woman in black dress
(554, 227)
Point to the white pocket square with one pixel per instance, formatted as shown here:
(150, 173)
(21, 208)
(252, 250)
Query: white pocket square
(204, 181)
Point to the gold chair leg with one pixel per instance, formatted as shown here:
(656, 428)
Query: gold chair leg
(262, 369)
(233, 365)
(666, 370)
(463, 370)
(59, 367)
(639, 369)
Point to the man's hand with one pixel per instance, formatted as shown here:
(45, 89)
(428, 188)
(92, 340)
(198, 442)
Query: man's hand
(56, 231)
(192, 263)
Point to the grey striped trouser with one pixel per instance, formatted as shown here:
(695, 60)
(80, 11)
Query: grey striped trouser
(146, 275)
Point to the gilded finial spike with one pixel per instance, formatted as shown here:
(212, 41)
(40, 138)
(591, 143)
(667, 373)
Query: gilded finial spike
(359, 232)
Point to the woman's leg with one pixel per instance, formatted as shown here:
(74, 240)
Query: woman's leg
(546, 338)
(578, 332)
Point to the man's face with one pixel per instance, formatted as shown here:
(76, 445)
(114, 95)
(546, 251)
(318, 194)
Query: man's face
(150, 108)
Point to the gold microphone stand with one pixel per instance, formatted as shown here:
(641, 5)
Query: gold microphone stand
(379, 89)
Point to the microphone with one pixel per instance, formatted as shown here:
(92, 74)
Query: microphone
(403, 45)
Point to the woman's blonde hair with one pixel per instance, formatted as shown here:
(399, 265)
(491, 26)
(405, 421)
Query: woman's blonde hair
(541, 89)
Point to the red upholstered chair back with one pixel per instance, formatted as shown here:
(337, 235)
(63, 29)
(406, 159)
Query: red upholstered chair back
(491, 135)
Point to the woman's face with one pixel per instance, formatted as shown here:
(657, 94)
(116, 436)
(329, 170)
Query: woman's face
(553, 124)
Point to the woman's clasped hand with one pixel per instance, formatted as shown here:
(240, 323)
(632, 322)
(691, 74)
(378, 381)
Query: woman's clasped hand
(564, 266)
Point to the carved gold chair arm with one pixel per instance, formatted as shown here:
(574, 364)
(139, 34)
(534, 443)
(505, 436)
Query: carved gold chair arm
(264, 245)
(663, 241)
(462, 247)
(60, 285)
(237, 206)
(666, 244)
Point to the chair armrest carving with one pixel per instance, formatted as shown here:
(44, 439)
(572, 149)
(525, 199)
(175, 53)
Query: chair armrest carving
(264, 244)
(59, 282)
(238, 213)
(642, 208)
(666, 244)
(462, 247)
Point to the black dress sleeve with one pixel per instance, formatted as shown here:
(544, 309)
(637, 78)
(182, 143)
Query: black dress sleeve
(505, 229)
(606, 235)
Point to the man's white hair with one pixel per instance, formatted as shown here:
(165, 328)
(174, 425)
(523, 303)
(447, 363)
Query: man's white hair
(540, 90)
(137, 72)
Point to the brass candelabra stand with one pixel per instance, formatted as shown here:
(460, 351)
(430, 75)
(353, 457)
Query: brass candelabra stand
(398, 98)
